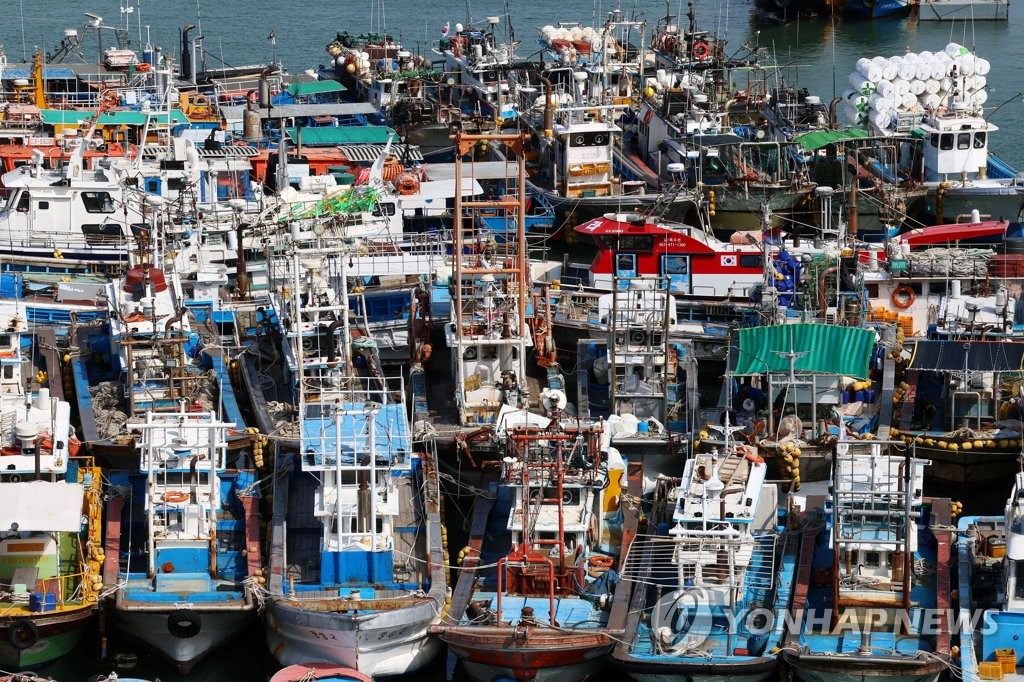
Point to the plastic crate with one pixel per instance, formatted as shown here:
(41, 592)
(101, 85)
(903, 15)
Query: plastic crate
(990, 670)
(1007, 659)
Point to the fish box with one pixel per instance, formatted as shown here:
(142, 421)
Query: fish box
(990, 670)
(1007, 659)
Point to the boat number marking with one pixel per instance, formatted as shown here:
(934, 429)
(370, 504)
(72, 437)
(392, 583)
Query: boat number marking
(391, 634)
(323, 636)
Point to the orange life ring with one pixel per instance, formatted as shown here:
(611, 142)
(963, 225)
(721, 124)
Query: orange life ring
(407, 183)
(174, 496)
(601, 561)
(902, 297)
(756, 459)
(44, 443)
(74, 446)
(700, 50)
(9, 451)
(110, 99)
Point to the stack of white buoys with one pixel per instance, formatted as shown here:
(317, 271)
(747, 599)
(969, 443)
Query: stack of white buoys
(882, 89)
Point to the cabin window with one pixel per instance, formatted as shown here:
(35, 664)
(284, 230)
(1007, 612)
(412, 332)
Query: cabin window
(1018, 579)
(979, 140)
(963, 141)
(636, 243)
(750, 260)
(8, 371)
(872, 559)
(946, 143)
(23, 200)
(5, 340)
(43, 206)
(98, 202)
(934, 140)
(176, 184)
(677, 265)
(384, 209)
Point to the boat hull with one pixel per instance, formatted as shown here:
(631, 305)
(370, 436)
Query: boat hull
(822, 668)
(57, 634)
(652, 670)
(950, 10)
(873, 9)
(149, 628)
(527, 653)
(393, 642)
(969, 467)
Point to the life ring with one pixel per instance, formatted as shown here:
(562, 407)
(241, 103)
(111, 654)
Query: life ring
(700, 50)
(110, 99)
(9, 450)
(22, 634)
(184, 623)
(143, 66)
(407, 183)
(174, 496)
(600, 561)
(756, 459)
(201, 101)
(902, 297)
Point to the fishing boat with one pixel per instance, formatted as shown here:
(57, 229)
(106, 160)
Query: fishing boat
(872, 577)
(182, 538)
(488, 335)
(991, 611)
(50, 512)
(715, 574)
(144, 357)
(478, 62)
(960, 407)
(938, 98)
(355, 569)
(538, 574)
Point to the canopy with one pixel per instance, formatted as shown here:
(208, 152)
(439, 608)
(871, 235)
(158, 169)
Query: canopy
(110, 118)
(823, 138)
(330, 136)
(41, 506)
(955, 356)
(307, 88)
(819, 349)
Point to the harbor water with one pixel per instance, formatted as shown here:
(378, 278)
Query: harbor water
(816, 53)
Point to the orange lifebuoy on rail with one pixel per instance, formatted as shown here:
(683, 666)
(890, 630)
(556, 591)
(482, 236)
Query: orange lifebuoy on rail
(174, 496)
(902, 297)
(756, 459)
(700, 50)
(601, 561)
(110, 99)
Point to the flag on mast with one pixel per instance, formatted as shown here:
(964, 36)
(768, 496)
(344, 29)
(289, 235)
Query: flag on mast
(272, 38)
(447, 27)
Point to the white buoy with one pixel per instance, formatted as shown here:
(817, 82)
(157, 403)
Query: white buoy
(982, 66)
(861, 83)
(917, 87)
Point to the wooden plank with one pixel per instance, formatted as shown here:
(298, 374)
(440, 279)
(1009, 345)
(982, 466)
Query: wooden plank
(112, 541)
(463, 592)
(621, 616)
(252, 535)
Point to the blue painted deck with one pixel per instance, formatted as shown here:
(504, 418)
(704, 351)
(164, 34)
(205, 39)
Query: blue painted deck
(390, 428)
(570, 612)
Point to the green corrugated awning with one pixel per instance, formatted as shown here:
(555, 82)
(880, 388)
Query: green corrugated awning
(332, 136)
(307, 88)
(821, 349)
(821, 138)
(111, 118)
